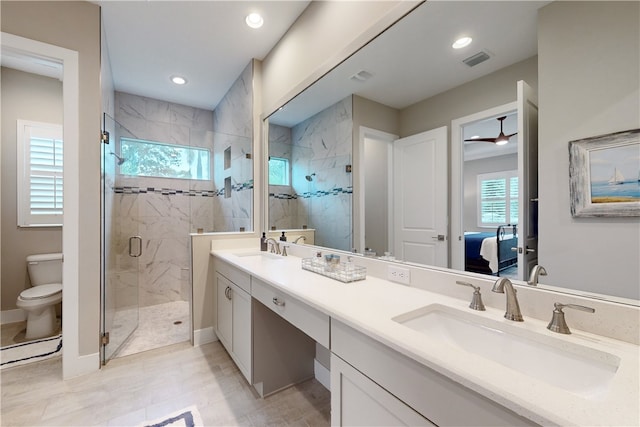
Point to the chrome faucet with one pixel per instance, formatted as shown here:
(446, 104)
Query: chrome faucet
(304, 239)
(275, 246)
(536, 271)
(502, 286)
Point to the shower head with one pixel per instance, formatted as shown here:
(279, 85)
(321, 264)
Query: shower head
(310, 177)
(121, 160)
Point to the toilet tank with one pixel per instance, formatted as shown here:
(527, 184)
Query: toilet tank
(45, 268)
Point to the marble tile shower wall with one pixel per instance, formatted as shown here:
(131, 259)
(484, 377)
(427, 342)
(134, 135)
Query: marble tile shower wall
(322, 145)
(283, 202)
(233, 123)
(165, 211)
(154, 207)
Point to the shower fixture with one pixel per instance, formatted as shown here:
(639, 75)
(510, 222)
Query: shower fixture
(121, 160)
(310, 177)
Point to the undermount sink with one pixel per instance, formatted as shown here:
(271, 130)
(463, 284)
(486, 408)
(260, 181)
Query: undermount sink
(578, 369)
(266, 255)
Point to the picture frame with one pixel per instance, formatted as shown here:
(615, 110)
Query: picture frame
(604, 175)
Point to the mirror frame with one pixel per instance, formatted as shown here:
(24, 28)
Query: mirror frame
(561, 290)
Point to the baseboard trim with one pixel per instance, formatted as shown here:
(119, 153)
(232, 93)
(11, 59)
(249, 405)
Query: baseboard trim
(323, 375)
(81, 365)
(12, 316)
(204, 336)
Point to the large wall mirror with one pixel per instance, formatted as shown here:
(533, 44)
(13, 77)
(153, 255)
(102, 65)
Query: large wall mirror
(391, 140)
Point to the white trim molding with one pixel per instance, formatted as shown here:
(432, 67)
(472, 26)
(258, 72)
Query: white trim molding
(204, 336)
(12, 316)
(73, 364)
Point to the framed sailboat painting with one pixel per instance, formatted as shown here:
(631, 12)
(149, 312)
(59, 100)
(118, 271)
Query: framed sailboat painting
(604, 175)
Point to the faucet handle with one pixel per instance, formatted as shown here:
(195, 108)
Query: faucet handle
(476, 301)
(558, 323)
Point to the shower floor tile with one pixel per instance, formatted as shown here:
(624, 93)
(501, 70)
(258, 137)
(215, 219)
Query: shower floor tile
(159, 326)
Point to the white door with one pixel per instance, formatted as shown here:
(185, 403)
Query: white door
(420, 198)
(527, 179)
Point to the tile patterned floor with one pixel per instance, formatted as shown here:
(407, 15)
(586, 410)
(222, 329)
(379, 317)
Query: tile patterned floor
(157, 328)
(14, 333)
(148, 385)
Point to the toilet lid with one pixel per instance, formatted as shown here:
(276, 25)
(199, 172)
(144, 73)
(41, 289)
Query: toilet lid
(41, 291)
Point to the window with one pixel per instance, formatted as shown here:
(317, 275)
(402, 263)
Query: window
(160, 160)
(498, 198)
(39, 174)
(278, 171)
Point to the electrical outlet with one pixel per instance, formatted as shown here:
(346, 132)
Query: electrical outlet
(399, 274)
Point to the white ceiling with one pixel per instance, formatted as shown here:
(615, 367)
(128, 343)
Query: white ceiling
(207, 42)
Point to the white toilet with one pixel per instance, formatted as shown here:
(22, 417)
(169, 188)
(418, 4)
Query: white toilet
(39, 301)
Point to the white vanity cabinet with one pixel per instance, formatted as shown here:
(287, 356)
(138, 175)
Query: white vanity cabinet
(358, 401)
(233, 315)
(389, 375)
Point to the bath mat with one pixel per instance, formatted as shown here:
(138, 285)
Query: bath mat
(32, 351)
(187, 417)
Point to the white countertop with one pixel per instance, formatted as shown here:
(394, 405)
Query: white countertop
(369, 306)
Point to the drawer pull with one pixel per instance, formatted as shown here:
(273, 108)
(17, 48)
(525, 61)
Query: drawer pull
(227, 293)
(277, 302)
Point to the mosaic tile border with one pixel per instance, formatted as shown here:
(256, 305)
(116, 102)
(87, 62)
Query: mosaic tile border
(172, 192)
(307, 195)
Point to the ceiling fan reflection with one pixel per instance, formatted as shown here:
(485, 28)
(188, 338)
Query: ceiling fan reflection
(501, 139)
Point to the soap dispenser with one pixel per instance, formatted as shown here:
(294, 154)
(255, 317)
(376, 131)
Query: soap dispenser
(263, 242)
(283, 238)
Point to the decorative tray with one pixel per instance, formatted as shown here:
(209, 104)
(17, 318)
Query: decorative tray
(341, 272)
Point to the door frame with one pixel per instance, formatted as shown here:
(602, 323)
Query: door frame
(359, 185)
(457, 178)
(73, 364)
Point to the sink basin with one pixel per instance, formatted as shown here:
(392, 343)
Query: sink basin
(578, 369)
(265, 255)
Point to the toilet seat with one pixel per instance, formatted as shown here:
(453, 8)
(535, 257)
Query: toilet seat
(42, 291)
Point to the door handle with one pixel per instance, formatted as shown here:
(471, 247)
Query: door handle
(439, 237)
(131, 239)
(520, 250)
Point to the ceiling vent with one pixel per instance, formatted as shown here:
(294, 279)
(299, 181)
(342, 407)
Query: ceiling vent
(361, 76)
(476, 59)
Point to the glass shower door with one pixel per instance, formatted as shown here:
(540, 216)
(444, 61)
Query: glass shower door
(121, 244)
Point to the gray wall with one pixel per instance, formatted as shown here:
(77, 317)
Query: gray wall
(481, 94)
(589, 57)
(28, 97)
(75, 26)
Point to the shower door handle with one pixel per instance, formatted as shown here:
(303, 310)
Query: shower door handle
(131, 239)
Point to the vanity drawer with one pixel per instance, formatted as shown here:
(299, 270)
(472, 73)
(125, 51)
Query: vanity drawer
(309, 320)
(239, 277)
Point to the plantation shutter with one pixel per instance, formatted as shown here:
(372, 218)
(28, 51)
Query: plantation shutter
(497, 198)
(41, 168)
(493, 203)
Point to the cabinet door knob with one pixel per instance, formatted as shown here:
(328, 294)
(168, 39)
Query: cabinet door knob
(277, 302)
(227, 292)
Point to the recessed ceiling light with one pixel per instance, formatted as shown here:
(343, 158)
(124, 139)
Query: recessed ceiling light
(178, 80)
(254, 20)
(462, 42)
